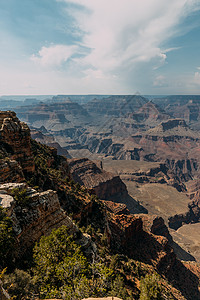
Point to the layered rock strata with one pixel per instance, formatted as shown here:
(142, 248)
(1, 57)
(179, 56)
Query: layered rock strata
(38, 216)
(10, 170)
(15, 140)
(104, 184)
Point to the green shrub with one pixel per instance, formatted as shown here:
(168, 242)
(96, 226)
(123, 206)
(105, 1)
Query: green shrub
(61, 269)
(118, 289)
(20, 196)
(6, 240)
(151, 288)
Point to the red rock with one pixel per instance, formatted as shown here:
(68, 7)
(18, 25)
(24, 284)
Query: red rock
(15, 139)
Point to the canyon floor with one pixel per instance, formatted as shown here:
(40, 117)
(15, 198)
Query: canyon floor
(159, 199)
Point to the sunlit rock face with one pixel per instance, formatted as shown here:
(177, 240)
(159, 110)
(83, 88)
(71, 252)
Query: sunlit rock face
(15, 140)
(105, 184)
(37, 216)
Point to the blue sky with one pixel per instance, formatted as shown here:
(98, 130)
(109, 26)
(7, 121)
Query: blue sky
(99, 47)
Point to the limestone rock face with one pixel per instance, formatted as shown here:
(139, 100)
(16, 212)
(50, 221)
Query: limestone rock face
(124, 231)
(10, 170)
(105, 185)
(129, 234)
(15, 140)
(38, 217)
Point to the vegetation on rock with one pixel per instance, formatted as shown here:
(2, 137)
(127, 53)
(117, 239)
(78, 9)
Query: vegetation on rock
(6, 240)
(20, 196)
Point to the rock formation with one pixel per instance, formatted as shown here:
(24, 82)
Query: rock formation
(10, 170)
(150, 114)
(115, 105)
(37, 216)
(15, 140)
(54, 116)
(104, 184)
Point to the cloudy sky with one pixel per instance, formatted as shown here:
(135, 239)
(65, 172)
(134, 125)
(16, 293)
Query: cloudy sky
(99, 47)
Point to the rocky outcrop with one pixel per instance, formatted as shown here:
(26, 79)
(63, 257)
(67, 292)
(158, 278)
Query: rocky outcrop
(193, 213)
(104, 184)
(184, 169)
(156, 225)
(10, 170)
(129, 234)
(15, 140)
(191, 216)
(116, 208)
(124, 230)
(172, 124)
(38, 215)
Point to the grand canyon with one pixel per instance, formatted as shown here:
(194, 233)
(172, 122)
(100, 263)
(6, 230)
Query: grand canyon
(121, 173)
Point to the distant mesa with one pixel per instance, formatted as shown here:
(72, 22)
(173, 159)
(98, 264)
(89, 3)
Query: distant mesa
(170, 124)
(149, 112)
(116, 105)
(176, 127)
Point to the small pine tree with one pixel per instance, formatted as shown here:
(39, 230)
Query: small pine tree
(150, 288)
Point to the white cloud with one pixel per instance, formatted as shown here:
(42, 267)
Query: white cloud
(124, 33)
(120, 49)
(160, 81)
(53, 56)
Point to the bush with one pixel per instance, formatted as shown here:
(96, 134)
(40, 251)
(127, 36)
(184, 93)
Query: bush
(19, 284)
(61, 270)
(20, 196)
(59, 263)
(151, 288)
(118, 289)
(6, 240)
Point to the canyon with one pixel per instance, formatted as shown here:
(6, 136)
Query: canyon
(117, 129)
(139, 159)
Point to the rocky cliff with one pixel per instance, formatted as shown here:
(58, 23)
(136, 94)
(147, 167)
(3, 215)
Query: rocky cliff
(15, 140)
(35, 214)
(104, 184)
(10, 170)
(129, 233)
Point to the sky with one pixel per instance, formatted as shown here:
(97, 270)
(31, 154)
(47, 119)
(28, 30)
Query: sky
(99, 47)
